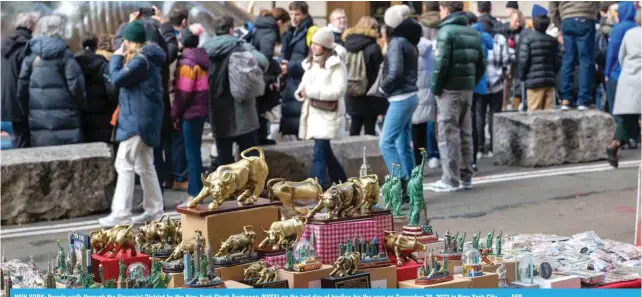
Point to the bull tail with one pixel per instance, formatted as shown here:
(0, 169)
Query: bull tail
(269, 185)
(255, 148)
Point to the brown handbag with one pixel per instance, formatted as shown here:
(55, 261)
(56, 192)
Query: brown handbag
(324, 105)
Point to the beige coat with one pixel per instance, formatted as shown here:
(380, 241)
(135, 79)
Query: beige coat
(328, 84)
(628, 92)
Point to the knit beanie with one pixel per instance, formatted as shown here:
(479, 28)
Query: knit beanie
(539, 10)
(324, 37)
(135, 32)
(395, 15)
(512, 4)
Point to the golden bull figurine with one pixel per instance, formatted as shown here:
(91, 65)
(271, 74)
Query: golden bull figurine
(244, 179)
(267, 275)
(289, 192)
(118, 238)
(346, 264)
(403, 247)
(341, 201)
(252, 272)
(187, 245)
(283, 233)
(369, 186)
(238, 243)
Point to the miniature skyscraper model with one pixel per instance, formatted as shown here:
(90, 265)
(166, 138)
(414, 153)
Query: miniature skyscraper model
(365, 168)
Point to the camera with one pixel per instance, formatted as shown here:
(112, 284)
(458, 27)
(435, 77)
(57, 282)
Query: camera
(146, 12)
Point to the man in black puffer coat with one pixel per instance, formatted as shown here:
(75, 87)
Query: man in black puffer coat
(51, 87)
(14, 50)
(101, 94)
(539, 62)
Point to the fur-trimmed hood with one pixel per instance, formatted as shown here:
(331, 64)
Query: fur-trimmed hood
(357, 39)
(333, 61)
(372, 33)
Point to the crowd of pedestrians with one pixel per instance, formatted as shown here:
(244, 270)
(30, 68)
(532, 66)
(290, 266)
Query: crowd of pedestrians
(432, 79)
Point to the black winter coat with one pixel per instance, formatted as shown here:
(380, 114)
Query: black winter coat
(166, 39)
(294, 50)
(51, 90)
(400, 67)
(539, 60)
(13, 52)
(101, 97)
(264, 38)
(357, 40)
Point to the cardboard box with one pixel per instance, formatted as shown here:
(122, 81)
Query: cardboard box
(230, 284)
(559, 282)
(308, 279)
(383, 277)
(234, 273)
(177, 281)
(456, 283)
(217, 227)
(487, 281)
(510, 270)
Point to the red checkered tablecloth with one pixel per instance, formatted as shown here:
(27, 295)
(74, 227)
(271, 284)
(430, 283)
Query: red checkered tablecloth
(329, 236)
(384, 223)
(276, 260)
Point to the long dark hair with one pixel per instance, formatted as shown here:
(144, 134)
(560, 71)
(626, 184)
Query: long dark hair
(326, 54)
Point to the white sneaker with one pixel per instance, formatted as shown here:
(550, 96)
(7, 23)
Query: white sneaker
(188, 200)
(480, 155)
(146, 217)
(565, 107)
(582, 108)
(441, 187)
(520, 107)
(113, 219)
(490, 154)
(434, 163)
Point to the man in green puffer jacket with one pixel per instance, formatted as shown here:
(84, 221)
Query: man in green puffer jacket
(459, 65)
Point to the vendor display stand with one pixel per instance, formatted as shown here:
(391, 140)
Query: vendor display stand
(308, 279)
(456, 283)
(330, 235)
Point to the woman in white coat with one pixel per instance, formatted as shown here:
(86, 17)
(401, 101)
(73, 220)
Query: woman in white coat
(627, 95)
(322, 90)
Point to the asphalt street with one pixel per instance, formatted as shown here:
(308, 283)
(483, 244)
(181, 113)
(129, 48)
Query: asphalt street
(562, 200)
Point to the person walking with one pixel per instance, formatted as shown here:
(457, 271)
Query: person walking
(338, 24)
(429, 19)
(51, 87)
(101, 94)
(14, 50)
(136, 69)
(189, 111)
(424, 117)
(362, 40)
(577, 22)
(294, 49)
(323, 87)
(459, 65)
(399, 84)
(628, 95)
(626, 14)
(233, 120)
(539, 62)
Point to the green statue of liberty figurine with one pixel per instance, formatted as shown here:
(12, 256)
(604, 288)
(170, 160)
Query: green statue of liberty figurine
(385, 191)
(416, 192)
(61, 265)
(396, 192)
(476, 240)
(489, 241)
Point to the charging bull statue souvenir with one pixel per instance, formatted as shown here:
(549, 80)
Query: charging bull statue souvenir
(244, 180)
(252, 272)
(118, 238)
(403, 247)
(187, 245)
(269, 274)
(282, 233)
(341, 201)
(238, 243)
(289, 193)
(369, 185)
(346, 264)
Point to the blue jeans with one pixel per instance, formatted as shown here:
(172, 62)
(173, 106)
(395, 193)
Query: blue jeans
(431, 143)
(179, 163)
(324, 159)
(598, 96)
(396, 139)
(193, 135)
(579, 42)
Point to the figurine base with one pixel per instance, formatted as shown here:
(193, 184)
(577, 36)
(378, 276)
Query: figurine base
(173, 267)
(270, 253)
(111, 265)
(162, 254)
(279, 284)
(440, 256)
(214, 285)
(228, 206)
(359, 280)
(365, 264)
(434, 280)
(306, 279)
(235, 259)
(321, 220)
(416, 231)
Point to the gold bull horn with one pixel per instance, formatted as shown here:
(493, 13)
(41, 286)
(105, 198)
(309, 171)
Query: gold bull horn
(206, 183)
(264, 231)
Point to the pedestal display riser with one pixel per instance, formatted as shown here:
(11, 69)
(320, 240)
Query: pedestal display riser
(177, 281)
(383, 277)
(486, 281)
(228, 220)
(236, 285)
(111, 265)
(406, 272)
(510, 270)
(308, 279)
(456, 283)
(329, 236)
(234, 273)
